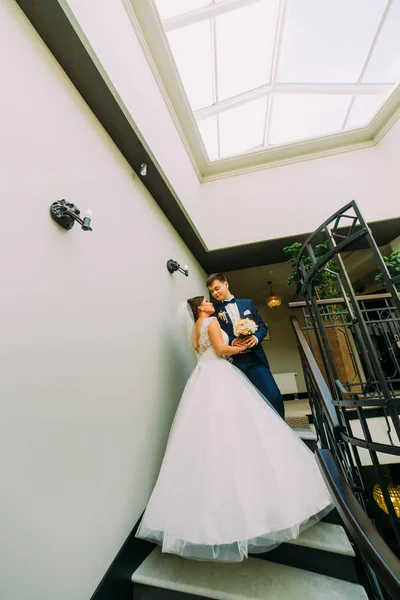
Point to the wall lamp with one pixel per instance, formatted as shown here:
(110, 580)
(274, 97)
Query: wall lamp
(65, 214)
(173, 266)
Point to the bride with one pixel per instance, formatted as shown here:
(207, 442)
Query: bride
(235, 479)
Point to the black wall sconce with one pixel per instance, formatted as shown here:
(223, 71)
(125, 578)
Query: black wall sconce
(173, 266)
(65, 214)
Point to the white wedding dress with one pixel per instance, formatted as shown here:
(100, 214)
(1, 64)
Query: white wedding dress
(235, 479)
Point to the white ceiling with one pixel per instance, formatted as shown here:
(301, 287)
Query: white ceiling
(257, 75)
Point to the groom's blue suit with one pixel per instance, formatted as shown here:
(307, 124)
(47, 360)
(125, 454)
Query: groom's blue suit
(254, 364)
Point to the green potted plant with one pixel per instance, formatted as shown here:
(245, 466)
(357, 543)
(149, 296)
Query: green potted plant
(393, 266)
(326, 282)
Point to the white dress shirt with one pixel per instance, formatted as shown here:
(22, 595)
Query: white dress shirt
(234, 314)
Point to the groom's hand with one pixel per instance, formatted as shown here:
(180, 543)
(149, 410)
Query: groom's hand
(251, 341)
(239, 342)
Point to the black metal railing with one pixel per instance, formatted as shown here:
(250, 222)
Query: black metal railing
(353, 343)
(382, 322)
(381, 567)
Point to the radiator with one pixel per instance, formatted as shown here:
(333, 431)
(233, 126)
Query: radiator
(287, 383)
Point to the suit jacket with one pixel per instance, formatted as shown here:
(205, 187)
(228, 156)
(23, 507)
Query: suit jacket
(247, 310)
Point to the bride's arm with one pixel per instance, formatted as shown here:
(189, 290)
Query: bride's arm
(215, 333)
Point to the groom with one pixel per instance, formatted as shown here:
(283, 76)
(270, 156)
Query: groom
(253, 364)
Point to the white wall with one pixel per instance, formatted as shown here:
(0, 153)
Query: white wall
(297, 198)
(91, 365)
(109, 31)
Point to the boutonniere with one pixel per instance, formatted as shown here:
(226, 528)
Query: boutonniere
(222, 316)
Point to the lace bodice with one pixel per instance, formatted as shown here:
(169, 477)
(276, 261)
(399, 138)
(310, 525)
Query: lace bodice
(205, 345)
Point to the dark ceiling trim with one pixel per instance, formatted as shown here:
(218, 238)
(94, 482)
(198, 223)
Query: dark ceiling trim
(57, 32)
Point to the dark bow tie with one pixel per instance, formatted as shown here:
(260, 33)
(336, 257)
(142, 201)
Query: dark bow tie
(231, 301)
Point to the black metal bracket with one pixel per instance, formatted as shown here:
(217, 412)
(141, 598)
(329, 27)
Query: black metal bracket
(173, 266)
(65, 214)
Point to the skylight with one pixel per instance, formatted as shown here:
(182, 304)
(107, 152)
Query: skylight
(262, 73)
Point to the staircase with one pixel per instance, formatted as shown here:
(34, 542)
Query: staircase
(324, 547)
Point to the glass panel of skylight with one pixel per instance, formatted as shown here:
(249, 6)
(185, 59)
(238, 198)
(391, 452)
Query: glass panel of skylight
(209, 132)
(299, 116)
(244, 45)
(242, 128)
(192, 50)
(384, 64)
(172, 8)
(363, 109)
(327, 41)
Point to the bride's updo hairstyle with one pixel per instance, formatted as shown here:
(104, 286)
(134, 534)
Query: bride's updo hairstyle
(194, 304)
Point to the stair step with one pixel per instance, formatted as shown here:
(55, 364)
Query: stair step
(324, 549)
(306, 434)
(325, 536)
(298, 422)
(251, 579)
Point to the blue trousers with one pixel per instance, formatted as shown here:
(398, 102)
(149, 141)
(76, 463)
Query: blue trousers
(262, 378)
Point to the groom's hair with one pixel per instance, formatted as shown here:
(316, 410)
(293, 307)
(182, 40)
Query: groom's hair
(215, 277)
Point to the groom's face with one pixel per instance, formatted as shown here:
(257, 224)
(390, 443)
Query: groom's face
(219, 290)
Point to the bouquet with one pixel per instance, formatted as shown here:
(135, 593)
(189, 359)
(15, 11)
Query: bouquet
(244, 328)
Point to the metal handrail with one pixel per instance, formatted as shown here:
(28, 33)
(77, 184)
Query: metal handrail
(303, 303)
(372, 548)
(369, 543)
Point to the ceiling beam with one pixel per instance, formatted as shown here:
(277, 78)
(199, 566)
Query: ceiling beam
(207, 12)
(215, 77)
(379, 89)
(370, 51)
(274, 66)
